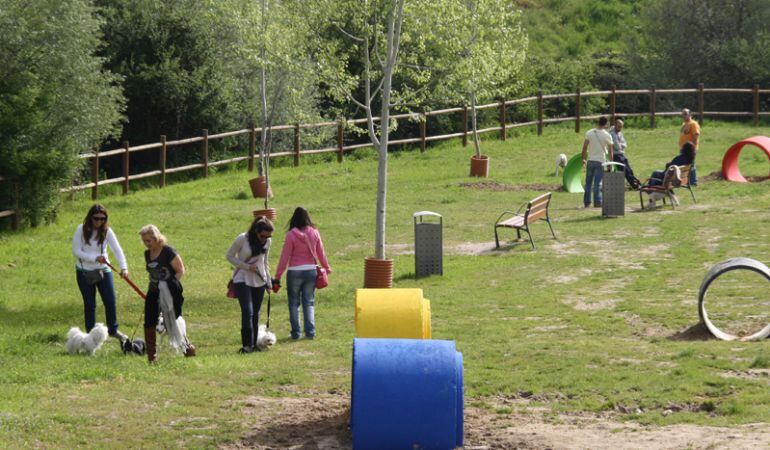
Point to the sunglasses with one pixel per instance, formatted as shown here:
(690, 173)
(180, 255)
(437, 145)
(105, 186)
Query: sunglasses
(99, 218)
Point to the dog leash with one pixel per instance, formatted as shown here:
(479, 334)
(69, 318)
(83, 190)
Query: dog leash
(137, 290)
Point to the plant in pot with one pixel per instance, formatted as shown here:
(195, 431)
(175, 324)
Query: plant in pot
(488, 49)
(271, 46)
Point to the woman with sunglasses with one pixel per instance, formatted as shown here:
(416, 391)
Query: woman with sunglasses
(89, 245)
(249, 256)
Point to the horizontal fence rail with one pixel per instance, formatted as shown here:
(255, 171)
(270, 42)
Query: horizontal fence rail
(341, 149)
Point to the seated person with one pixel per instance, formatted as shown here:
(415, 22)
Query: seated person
(685, 157)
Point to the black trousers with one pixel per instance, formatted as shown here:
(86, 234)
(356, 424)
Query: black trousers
(250, 299)
(629, 172)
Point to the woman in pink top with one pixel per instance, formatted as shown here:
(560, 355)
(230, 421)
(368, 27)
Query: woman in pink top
(301, 249)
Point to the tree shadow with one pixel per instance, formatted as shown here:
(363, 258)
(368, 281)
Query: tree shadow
(697, 332)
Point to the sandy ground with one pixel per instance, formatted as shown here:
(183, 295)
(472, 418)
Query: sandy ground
(321, 423)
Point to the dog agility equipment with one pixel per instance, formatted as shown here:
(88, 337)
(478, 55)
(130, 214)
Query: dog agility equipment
(613, 190)
(392, 313)
(536, 209)
(730, 169)
(667, 186)
(406, 393)
(713, 274)
(428, 246)
(573, 174)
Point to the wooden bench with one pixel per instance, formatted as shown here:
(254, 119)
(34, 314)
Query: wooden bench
(536, 209)
(666, 188)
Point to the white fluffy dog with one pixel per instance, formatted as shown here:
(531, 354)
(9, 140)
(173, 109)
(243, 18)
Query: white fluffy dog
(265, 339)
(88, 343)
(670, 179)
(561, 162)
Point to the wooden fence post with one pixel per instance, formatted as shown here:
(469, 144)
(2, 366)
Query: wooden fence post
(539, 112)
(503, 119)
(162, 160)
(252, 145)
(613, 105)
(205, 153)
(423, 131)
(700, 104)
(296, 144)
(16, 211)
(756, 105)
(125, 168)
(341, 140)
(577, 110)
(652, 107)
(465, 126)
(95, 176)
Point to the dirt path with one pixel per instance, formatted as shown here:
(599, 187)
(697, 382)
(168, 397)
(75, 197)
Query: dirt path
(321, 423)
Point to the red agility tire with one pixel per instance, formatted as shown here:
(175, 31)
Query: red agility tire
(730, 169)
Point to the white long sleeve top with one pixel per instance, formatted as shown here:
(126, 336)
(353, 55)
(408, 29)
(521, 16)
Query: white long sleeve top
(239, 255)
(86, 252)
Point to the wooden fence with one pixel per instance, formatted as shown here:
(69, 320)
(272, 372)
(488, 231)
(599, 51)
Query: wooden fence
(340, 148)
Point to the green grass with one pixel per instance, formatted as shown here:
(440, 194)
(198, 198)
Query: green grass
(580, 325)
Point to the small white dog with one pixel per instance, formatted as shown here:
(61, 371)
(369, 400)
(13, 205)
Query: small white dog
(88, 343)
(671, 178)
(561, 162)
(265, 339)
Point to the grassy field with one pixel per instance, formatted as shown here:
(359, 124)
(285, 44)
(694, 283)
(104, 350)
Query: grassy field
(599, 321)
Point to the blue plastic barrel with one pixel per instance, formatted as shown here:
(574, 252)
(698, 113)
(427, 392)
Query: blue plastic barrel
(406, 394)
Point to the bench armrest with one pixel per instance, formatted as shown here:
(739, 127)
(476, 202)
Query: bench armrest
(504, 214)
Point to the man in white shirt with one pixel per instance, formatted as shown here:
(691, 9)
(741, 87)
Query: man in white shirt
(596, 147)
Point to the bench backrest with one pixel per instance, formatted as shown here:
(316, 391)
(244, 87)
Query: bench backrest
(537, 208)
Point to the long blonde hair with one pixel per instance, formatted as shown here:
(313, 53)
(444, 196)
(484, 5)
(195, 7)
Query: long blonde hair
(153, 231)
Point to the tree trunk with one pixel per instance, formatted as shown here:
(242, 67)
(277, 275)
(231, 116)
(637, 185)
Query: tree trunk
(476, 143)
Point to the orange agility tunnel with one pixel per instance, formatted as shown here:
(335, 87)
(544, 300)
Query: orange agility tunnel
(730, 169)
(392, 313)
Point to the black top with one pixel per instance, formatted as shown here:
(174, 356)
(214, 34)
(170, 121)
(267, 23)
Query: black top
(160, 268)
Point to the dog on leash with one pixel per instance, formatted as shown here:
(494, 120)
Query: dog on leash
(265, 339)
(88, 343)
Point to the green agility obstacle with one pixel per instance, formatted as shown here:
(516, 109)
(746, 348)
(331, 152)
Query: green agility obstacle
(573, 175)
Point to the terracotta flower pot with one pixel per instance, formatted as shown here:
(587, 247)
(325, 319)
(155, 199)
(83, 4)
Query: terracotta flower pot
(270, 213)
(259, 188)
(480, 166)
(378, 273)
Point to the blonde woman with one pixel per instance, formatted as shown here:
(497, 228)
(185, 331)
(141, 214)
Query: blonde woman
(164, 293)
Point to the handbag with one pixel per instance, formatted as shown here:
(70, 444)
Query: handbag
(231, 286)
(321, 277)
(93, 276)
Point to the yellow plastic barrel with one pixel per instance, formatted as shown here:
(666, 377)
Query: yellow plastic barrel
(392, 313)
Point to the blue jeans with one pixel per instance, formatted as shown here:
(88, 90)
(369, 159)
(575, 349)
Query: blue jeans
(594, 176)
(250, 299)
(300, 287)
(107, 292)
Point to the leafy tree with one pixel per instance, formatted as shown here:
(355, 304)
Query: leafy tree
(55, 98)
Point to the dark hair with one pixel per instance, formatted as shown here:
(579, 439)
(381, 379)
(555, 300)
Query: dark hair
(688, 150)
(88, 224)
(300, 219)
(259, 225)
(602, 121)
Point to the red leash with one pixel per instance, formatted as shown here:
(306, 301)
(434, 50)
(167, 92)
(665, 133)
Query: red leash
(128, 280)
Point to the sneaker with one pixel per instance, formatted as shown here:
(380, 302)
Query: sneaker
(244, 350)
(295, 338)
(310, 337)
(597, 205)
(120, 336)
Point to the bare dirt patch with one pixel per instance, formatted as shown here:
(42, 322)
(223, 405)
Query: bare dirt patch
(501, 187)
(321, 423)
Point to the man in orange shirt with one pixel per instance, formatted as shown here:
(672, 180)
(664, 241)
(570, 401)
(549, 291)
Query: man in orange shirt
(690, 132)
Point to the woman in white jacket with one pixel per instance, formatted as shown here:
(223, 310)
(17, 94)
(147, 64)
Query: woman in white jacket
(248, 254)
(89, 245)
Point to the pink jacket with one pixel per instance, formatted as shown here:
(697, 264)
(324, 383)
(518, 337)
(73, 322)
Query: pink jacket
(296, 252)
